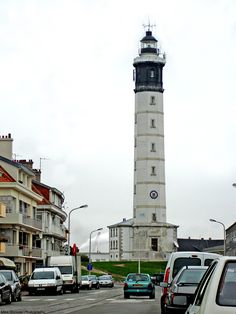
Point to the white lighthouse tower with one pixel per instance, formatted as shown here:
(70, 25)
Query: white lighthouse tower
(152, 236)
(147, 235)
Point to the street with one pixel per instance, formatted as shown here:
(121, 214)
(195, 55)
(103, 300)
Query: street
(104, 300)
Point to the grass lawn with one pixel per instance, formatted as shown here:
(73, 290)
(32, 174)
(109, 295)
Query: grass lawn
(119, 270)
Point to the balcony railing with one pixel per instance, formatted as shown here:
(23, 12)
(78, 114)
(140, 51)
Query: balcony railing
(17, 218)
(32, 222)
(21, 250)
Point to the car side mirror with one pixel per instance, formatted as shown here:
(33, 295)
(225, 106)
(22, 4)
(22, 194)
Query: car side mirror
(58, 277)
(180, 300)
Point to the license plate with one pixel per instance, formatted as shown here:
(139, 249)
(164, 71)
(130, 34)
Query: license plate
(40, 288)
(137, 285)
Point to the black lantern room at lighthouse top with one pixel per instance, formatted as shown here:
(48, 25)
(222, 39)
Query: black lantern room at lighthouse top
(148, 43)
(149, 65)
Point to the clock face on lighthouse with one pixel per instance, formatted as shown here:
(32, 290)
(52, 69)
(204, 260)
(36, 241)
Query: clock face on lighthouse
(153, 194)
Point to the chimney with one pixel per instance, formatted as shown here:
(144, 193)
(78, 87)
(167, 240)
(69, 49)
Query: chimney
(6, 146)
(27, 163)
(37, 173)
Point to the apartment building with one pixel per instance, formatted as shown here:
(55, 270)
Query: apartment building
(33, 222)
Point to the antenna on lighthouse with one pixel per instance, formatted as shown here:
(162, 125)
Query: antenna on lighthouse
(149, 26)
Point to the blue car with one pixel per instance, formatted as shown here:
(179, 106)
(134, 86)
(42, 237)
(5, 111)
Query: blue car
(139, 285)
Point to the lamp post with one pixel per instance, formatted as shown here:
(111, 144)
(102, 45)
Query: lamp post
(82, 206)
(90, 236)
(213, 220)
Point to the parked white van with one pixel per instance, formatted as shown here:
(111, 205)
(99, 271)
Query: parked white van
(179, 259)
(47, 280)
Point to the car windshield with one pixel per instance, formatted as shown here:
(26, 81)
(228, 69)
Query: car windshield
(43, 275)
(65, 269)
(84, 278)
(138, 277)
(7, 275)
(104, 278)
(92, 277)
(191, 276)
(184, 261)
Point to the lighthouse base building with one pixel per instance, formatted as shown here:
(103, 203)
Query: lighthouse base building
(147, 235)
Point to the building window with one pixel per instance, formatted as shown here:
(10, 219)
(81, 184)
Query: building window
(152, 73)
(154, 244)
(153, 125)
(152, 101)
(153, 171)
(135, 166)
(154, 217)
(135, 142)
(134, 189)
(153, 147)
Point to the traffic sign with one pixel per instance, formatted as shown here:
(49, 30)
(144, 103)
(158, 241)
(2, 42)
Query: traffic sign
(89, 267)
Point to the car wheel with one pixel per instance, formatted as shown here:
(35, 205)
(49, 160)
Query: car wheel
(13, 297)
(152, 296)
(9, 299)
(126, 296)
(19, 298)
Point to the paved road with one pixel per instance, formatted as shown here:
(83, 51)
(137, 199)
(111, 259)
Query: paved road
(102, 301)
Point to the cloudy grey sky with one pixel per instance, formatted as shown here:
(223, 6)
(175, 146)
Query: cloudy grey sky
(66, 94)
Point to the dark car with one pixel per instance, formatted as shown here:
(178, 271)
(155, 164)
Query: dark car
(14, 281)
(157, 278)
(5, 290)
(139, 285)
(181, 291)
(95, 281)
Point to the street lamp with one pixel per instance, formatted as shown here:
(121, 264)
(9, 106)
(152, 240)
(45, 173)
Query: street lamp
(82, 206)
(213, 220)
(99, 229)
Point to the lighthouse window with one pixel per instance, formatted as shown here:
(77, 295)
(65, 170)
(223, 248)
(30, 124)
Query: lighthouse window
(153, 171)
(153, 147)
(152, 102)
(152, 73)
(153, 123)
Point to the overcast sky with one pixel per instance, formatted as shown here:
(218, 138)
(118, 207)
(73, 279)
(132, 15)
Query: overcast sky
(66, 94)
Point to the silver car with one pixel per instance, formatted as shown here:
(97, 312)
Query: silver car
(14, 281)
(106, 281)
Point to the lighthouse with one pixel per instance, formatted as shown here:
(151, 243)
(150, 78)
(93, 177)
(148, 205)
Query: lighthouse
(147, 235)
(149, 161)
(152, 235)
